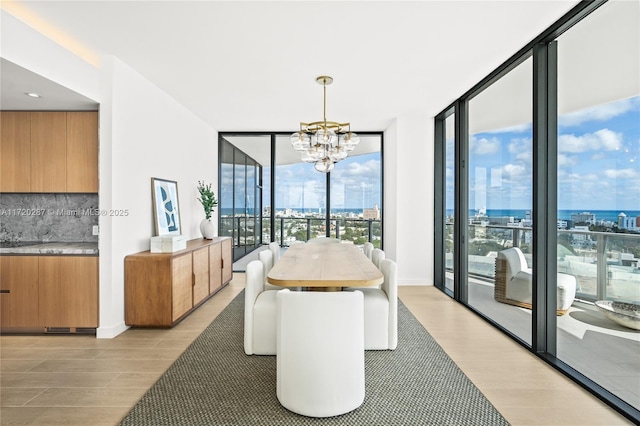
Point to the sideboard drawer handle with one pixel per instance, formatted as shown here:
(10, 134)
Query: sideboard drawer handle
(5, 291)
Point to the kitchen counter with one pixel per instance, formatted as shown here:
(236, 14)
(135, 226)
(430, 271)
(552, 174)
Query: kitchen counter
(51, 248)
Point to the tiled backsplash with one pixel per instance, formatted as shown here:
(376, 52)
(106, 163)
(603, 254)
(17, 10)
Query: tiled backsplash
(48, 217)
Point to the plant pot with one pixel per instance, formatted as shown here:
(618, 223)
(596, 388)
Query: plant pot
(208, 229)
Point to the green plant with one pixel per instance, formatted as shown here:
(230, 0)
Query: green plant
(207, 198)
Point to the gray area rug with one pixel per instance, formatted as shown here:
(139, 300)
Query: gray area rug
(214, 383)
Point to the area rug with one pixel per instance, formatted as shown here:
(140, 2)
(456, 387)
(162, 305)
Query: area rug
(214, 383)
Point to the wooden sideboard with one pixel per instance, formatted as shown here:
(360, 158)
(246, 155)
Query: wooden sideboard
(163, 288)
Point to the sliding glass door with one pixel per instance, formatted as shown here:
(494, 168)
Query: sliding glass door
(500, 201)
(240, 208)
(545, 203)
(599, 196)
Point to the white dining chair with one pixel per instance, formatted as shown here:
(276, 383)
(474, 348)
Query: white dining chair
(320, 352)
(381, 310)
(259, 313)
(275, 249)
(324, 240)
(377, 256)
(266, 257)
(367, 249)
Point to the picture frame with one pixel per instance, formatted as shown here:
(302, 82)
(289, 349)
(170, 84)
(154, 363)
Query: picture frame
(165, 206)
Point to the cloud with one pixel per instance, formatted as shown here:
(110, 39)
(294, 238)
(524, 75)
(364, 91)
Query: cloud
(621, 173)
(521, 147)
(598, 113)
(484, 146)
(514, 170)
(566, 160)
(601, 140)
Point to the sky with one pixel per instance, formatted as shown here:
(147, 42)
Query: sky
(355, 184)
(598, 162)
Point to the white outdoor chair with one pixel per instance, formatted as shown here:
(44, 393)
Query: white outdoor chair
(259, 313)
(513, 282)
(320, 356)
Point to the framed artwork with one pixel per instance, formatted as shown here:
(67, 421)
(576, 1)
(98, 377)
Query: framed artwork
(165, 206)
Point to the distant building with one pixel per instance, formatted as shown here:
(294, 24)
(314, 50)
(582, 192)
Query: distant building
(562, 224)
(502, 220)
(582, 240)
(628, 222)
(584, 217)
(373, 213)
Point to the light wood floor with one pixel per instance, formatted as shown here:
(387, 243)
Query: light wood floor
(80, 380)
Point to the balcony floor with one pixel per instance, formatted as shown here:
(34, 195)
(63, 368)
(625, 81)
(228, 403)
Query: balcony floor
(587, 341)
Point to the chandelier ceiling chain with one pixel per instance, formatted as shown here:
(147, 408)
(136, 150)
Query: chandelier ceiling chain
(324, 143)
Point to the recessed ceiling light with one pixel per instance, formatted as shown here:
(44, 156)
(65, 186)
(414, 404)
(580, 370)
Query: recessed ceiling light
(33, 95)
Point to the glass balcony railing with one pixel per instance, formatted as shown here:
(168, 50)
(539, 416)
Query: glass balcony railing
(292, 228)
(606, 265)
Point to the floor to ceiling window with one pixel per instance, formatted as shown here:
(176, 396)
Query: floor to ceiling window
(300, 196)
(599, 194)
(356, 194)
(240, 205)
(500, 196)
(552, 138)
(299, 202)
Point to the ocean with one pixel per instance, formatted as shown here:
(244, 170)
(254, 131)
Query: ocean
(609, 215)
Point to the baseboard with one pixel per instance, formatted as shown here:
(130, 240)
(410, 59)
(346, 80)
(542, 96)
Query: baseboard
(111, 332)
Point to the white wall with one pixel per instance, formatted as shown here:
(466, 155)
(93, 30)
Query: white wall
(146, 134)
(409, 202)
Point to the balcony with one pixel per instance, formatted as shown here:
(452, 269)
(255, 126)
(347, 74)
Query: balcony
(606, 267)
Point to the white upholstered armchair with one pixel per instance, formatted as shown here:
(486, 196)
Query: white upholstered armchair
(320, 359)
(513, 280)
(259, 313)
(381, 310)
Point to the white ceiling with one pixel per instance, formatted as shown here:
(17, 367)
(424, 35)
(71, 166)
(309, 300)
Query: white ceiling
(251, 66)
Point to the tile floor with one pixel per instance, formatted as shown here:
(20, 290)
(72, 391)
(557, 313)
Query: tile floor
(80, 380)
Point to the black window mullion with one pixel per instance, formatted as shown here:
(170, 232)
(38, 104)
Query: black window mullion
(461, 203)
(327, 216)
(544, 198)
(439, 214)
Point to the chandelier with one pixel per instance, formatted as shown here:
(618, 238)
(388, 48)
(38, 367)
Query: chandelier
(324, 143)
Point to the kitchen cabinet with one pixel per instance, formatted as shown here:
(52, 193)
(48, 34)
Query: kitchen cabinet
(48, 293)
(15, 152)
(19, 292)
(162, 288)
(68, 291)
(82, 151)
(49, 151)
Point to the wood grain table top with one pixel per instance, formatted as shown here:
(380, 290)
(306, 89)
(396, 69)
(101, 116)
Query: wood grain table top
(324, 265)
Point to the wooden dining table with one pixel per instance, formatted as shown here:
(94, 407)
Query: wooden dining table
(324, 267)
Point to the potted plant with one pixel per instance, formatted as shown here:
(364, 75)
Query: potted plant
(208, 200)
